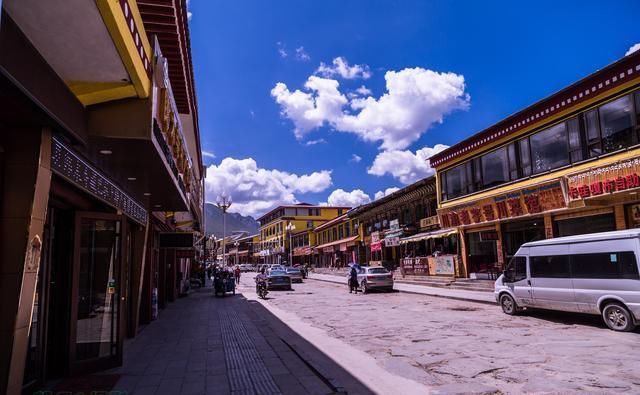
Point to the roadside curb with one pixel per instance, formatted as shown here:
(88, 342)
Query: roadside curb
(461, 298)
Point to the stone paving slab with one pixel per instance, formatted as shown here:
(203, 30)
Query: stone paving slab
(459, 294)
(206, 345)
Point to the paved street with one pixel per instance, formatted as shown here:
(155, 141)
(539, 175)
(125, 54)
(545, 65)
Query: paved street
(456, 346)
(207, 345)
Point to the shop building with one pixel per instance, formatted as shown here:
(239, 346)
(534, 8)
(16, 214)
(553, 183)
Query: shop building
(565, 165)
(338, 242)
(387, 225)
(279, 224)
(302, 243)
(100, 177)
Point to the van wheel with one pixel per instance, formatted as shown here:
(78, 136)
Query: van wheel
(508, 304)
(617, 317)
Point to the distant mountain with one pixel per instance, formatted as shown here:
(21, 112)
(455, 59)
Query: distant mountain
(235, 221)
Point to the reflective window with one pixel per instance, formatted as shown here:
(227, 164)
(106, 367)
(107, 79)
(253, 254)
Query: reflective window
(605, 265)
(575, 140)
(616, 124)
(525, 157)
(549, 148)
(550, 266)
(456, 181)
(495, 168)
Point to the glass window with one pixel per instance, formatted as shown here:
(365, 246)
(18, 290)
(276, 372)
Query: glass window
(456, 182)
(513, 161)
(550, 266)
(495, 168)
(605, 265)
(549, 148)
(637, 100)
(593, 133)
(616, 124)
(525, 157)
(583, 225)
(575, 140)
(516, 269)
(309, 224)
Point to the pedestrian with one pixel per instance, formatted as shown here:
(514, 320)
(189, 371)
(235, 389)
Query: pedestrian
(353, 280)
(236, 272)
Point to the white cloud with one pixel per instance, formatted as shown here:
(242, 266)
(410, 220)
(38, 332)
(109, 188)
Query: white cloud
(633, 49)
(281, 51)
(189, 13)
(388, 191)
(340, 67)
(340, 197)
(302, 55)
(209, 154)
(310, 110)
(405, 166)
(315, 142)
(255, 190)
(355, 158)
(416, 100)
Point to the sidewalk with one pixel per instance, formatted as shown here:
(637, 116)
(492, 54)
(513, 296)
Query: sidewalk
(206, 345)
(471, 296)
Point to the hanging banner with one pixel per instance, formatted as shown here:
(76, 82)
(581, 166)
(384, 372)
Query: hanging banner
(605, 180)
(526, 201)
(392, 241)
(376, 246)
(375, 237)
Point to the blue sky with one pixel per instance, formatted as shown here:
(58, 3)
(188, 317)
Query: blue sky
(499, 58)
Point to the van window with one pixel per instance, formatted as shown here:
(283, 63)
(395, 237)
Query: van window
(556, 266)
(605, 265)
(516, 269)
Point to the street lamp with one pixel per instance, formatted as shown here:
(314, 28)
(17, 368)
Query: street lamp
(290, 227)
(224, 202)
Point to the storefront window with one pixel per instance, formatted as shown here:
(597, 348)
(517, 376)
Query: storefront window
(515, 234)
(549, 148)
(616, 124)
(495, 168)
(584, 225)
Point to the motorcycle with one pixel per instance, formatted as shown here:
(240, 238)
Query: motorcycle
(262, 289)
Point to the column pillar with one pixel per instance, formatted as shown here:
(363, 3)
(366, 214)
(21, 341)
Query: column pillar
(621, 222)
(548, 227)
(25, 183)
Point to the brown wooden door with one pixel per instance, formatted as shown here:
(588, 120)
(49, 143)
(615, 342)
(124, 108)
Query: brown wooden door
(98, 292)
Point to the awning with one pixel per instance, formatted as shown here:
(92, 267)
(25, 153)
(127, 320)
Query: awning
(346, 240)
(429, 235)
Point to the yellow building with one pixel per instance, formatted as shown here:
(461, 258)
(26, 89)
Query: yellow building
(279, 223)
(565, 165)
(302, 243)
(337, 242)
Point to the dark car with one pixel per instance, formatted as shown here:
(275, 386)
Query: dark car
(278, 279)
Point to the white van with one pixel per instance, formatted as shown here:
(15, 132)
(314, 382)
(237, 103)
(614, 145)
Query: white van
(594, 273)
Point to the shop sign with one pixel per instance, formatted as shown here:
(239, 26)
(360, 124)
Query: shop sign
(489, 235)
(343, 247)
(375, 237)
(392, 241)
(429, 222)
(616, 177)
(377, 246)
(527, 201)
(445, 264)
(394, 225)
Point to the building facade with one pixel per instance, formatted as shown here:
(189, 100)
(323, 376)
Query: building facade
(101, 180)
(337, 242)
(387, 224)
(279, 224)
(568, 164)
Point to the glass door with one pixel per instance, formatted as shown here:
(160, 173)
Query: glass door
(96, 338)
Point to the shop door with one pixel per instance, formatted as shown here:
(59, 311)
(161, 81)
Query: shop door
(97, 295)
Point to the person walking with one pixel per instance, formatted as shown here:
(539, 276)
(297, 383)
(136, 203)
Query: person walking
(353, 280)
(237, 272)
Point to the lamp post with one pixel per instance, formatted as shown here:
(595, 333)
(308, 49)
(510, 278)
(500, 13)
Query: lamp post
(290, 227)
(224, 202)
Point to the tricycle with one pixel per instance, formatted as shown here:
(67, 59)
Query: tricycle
(223, 283)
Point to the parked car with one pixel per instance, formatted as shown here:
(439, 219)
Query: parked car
(294, 273)
(245, 267)
(374, 277)
(276, 266)
(594, 273)
(278, 279)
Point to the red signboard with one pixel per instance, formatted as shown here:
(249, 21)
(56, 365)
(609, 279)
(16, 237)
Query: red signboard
(526, 201)
(616, 177)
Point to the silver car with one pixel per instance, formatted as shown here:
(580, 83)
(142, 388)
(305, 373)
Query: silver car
(294, 273)
(376, 277)
(595, 273)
